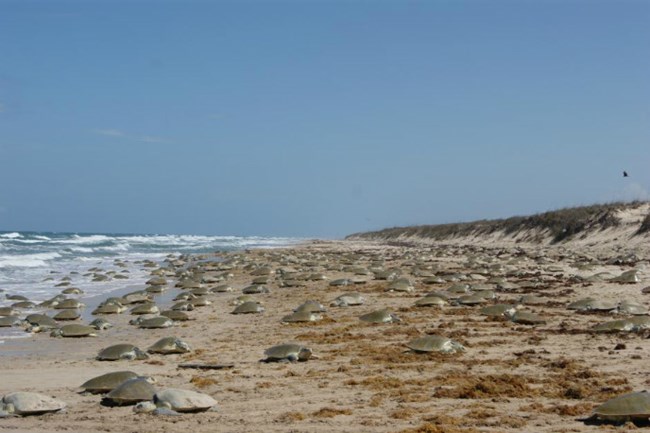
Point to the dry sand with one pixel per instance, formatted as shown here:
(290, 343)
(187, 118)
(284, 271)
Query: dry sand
(512, 378)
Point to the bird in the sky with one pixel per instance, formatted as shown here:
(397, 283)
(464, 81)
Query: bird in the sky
(625, 173)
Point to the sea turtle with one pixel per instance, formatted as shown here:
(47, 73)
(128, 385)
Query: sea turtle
(169, 345)
(74, 331)
(109, 308)
(182, 306)
(71, 304)
(249, 307)
(400, 285)
(157, 322)
(72, 291)
(622, 325)
(241, 299)
(121, 351)
(101, 324)
(200, 301)
(632, 308)
(40, 322)
(379, 316)
(531, 300)
(431, 301)
(626, 407)
(222, 288)
(29, 403)
(8, 311)
(137, 297)
(67, 315)
(472, 299)
(527, 318)
(627, 277)
(311, 307)
(340, 282)
(156, 281)
(434, 343)
(129, 392)
(16, 297)
(24, 305)
(640, 322)
(177, 316)
(145, 308)
(289, 352)
(9, 321)
(592, 304)
(499, 310)
(348, 299)
(302, 316)
(107, 382)
(183, 400)
(255, 289)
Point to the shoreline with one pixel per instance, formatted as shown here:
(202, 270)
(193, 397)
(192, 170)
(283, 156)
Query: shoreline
(361, 378)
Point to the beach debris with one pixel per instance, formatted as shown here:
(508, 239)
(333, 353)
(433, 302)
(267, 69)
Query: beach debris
(434, 343)
(107, 382)
(169, 345)
(74, 331)
(348, 299)
(206, 366)
(627, 407)
(379, 316)
(130, 392)
(289, 352)
(29, 403)
(121, 351)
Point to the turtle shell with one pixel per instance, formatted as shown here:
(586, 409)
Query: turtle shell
(287, 352)
(107, 382)
(434, 343)
(32, 403)
(635, 405)
(248, 307)
(301, 316)
(169, 345)
(183, 400)
(121, 351)
(379, 316)
(131, 391)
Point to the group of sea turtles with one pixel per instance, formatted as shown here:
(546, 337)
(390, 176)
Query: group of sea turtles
(200, 277)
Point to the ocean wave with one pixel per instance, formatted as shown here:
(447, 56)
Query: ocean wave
(27, 260)
(13, 235)
(84, 240)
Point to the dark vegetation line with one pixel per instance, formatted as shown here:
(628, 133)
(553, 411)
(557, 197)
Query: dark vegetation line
(560, 225)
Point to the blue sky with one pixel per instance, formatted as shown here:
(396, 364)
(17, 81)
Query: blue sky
(316, 118)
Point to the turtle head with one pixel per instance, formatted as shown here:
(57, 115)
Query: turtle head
(150, 379)
(304, 354)
(144, 407)
(394, 318)
(7, 408)
(56, 333)
(139, 354)
(162, 404)
(183, 346)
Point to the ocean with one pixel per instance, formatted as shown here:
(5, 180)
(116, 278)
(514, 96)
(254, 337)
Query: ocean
(32, 264)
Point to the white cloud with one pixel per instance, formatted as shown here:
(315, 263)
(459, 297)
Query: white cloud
(121, 134)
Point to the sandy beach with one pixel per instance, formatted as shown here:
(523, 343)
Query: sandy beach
(511, 377)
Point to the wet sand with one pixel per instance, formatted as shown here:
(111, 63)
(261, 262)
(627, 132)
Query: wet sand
(511, 378)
